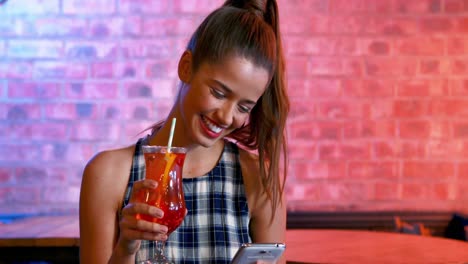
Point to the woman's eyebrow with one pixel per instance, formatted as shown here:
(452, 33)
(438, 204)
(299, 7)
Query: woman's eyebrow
(228, 90)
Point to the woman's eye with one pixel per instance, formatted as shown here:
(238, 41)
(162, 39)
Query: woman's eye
(244, 109)
(217, 93)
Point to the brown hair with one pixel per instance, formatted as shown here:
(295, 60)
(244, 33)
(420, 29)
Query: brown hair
(250, 29)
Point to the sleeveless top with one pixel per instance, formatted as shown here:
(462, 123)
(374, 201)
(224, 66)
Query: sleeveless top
(218, 217)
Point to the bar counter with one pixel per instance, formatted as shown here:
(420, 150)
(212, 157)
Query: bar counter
(55, 239)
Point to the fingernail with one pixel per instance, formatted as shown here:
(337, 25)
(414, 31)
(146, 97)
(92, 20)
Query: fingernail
(164, 229)
(156, 212)
(160, 213)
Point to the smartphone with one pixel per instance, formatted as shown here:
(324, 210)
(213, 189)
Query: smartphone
(250, 253)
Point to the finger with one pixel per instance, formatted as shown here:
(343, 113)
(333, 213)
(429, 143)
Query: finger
(141, 208)
(146, 183)
(138, 186)
(143, 225)
(133, 234)
(147, 226)
(129, 219)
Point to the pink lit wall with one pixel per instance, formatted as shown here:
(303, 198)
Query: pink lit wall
(379, 93)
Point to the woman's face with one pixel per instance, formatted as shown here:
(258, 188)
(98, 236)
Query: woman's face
(218, 98)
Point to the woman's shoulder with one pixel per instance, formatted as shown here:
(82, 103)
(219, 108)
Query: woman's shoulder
(109, 168)
(111, 159)
(105, 178)
(248, 159)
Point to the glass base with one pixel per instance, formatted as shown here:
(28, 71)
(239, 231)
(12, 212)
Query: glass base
(160, 260)
(158, 257)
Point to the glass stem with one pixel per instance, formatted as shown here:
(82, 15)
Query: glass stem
(160, 248)
(159, 257)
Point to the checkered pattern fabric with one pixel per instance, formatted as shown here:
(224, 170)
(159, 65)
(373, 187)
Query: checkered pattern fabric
(217, 222)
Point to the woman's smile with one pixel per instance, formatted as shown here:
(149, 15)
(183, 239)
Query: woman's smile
(210, 128)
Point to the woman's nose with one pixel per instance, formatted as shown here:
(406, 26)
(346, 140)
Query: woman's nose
(225, 114)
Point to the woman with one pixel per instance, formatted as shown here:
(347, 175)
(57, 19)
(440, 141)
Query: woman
(232, 90)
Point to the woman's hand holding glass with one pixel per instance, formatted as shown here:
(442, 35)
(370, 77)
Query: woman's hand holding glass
(157, 204)
(163, 165)
(132, 230)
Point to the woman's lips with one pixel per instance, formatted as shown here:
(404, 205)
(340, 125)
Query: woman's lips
(210, 128)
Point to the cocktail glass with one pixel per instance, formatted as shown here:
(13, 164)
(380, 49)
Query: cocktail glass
(165, 167)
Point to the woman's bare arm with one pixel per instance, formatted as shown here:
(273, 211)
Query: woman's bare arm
(266, 225)
(105, 235)
(101, 193)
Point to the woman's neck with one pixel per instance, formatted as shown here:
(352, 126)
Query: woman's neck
(200, 160)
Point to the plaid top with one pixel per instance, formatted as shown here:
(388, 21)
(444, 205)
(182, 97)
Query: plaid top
(218, 217)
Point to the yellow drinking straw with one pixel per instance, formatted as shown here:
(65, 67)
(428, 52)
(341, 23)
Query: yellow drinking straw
(171, 134)
(170, 159)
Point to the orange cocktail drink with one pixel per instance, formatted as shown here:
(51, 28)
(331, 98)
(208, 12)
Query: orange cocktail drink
(164, 167)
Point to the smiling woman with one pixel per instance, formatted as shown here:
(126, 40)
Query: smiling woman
(231, 112)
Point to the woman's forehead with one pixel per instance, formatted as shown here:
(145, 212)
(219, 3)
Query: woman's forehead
(239, 74)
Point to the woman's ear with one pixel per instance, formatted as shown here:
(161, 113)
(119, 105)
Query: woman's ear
(185, 67)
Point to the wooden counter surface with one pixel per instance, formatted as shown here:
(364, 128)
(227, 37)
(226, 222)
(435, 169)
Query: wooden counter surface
(49, 233)
(41, 231)
(359, 246)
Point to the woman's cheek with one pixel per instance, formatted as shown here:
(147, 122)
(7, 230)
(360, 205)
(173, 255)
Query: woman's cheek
(240, 121)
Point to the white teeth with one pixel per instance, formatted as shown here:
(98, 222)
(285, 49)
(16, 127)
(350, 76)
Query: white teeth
(214, 128)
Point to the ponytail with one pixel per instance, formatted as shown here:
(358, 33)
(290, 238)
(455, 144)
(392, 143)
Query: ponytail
(266, 130)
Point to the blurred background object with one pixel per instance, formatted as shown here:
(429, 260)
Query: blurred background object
(410, 228)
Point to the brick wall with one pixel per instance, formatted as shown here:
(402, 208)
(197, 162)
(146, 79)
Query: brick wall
(379, 92)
